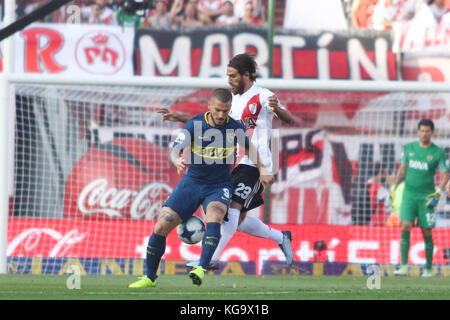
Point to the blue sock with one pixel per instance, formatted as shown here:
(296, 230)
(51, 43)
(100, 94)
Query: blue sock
(155, 250)
(210, 242)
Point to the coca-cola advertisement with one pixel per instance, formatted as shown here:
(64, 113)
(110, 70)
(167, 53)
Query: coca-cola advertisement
(118, 180)
(55, 239)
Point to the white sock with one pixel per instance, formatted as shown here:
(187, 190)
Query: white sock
(228, 228)
(256, 227)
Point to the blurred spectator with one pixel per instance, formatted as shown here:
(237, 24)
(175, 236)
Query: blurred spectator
(439, 8)
(113, 4)
(445, 20)
(227, 17)
(249, 15)
(160, 17)
(239, 7)
(211, 8)
(25, 7)
(387, 12)
(189, 15)
(378, 193)
(394, 217)
(126, 14)
(98, 13)
(361, 13)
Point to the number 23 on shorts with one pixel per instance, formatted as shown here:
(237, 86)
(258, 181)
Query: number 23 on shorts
(242, 191)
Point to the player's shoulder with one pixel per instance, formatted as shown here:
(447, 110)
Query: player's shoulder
(198, 117)
(437, 148)
(235, 124)
(263, 92)
(189, 125)
(411, 145)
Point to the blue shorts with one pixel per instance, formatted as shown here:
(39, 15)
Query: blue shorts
(189, 194)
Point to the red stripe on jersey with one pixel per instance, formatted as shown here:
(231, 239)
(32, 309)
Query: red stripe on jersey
(251, 112)
(249, 117)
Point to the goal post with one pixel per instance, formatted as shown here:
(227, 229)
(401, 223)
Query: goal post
(86, 170)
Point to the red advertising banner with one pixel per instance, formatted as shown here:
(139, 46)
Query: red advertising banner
(53, 238)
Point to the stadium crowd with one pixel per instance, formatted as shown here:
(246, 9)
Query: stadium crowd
(157, 13)
(360, 14)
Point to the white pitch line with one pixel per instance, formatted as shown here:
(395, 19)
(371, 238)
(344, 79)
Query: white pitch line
(191, 292)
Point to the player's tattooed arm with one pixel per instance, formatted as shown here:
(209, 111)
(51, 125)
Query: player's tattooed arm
(169, 115)
(177, 159)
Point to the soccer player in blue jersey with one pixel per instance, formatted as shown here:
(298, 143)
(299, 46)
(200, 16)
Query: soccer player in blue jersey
(211, 140)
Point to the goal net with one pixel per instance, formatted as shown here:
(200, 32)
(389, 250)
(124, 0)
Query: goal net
(89, 172)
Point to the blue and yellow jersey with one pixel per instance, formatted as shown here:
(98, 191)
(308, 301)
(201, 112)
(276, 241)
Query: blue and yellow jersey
(212, 150)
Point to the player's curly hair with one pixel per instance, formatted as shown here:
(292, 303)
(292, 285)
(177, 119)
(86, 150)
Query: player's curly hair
(245, 62)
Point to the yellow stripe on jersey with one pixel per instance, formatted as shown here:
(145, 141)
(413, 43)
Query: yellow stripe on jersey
(212, 152)
(206, 117)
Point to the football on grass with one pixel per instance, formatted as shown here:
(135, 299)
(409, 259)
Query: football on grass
(192, 230)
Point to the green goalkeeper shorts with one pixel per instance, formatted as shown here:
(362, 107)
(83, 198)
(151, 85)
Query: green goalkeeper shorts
(414, 206)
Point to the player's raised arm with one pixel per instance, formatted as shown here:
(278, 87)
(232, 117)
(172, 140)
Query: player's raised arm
(282, 113)
(170, 115)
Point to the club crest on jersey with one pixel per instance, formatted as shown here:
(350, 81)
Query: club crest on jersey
(253, 108)
(429, 157)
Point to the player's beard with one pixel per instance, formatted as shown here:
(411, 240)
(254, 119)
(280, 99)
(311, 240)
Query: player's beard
(217, 122)
(239, 89)
(425, 141)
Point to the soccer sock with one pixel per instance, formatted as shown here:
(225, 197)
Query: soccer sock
(404, 247)
(228, 228)
(155, 250)
(209, 244)
(429, 246)
(256, 227)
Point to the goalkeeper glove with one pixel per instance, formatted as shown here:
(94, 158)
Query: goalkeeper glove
(433, 198)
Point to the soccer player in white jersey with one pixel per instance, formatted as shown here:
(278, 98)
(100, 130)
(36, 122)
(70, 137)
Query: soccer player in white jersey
(255, 107)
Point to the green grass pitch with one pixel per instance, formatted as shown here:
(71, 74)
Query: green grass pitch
(217, 287)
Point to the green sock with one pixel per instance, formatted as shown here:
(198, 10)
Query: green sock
(404, 247)
(428, 251)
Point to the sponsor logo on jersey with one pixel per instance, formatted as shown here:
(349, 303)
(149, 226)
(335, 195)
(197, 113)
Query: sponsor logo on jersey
(213, 152)
(418, 165)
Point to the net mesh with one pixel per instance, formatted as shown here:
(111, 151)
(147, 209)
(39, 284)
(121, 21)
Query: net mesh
(91, 173)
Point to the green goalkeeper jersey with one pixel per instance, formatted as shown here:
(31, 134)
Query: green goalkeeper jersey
(421, 164)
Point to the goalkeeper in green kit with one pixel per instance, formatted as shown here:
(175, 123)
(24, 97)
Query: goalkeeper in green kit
(419, 162)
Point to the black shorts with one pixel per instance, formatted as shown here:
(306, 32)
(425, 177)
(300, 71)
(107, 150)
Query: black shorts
(247, 187)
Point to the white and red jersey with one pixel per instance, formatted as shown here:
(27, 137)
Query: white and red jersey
(252, 108)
